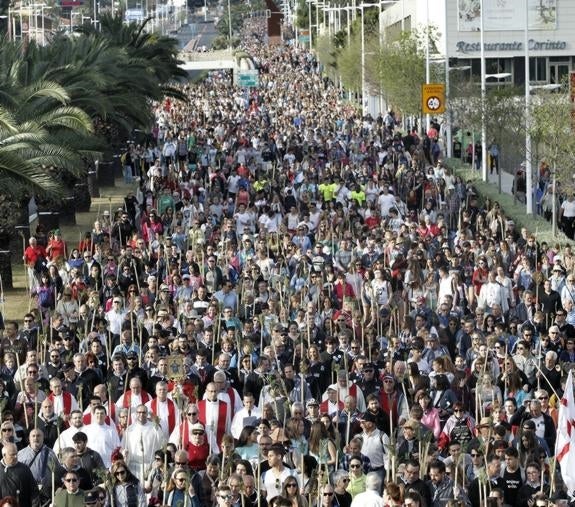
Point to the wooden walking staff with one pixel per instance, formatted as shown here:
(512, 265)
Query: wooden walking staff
(143, 457)
(22, 388)
(165, 474)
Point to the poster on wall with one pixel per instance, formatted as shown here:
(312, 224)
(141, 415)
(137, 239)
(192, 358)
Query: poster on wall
(502, 15)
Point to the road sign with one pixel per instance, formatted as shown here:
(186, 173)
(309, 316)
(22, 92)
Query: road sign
(433, 98)
(248, 78)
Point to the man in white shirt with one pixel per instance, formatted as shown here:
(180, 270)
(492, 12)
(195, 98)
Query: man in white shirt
(385, 201)
(215, 415)
(133, 397)
(492, 293)
(226, 392)
(246, 416)
(64, 402)
(140, 442)
(164, 409)
(374, 444)
(115, 316)
(102, 438)
(65, 438)
(347, 388)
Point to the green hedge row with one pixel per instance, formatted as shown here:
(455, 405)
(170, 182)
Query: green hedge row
(512, 209)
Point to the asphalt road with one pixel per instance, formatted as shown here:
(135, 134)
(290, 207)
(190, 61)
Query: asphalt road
(204, 31)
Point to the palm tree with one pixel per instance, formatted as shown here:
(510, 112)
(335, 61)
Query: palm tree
(35, 126)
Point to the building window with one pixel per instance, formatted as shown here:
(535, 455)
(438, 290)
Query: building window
(499, 66)
(538, 70)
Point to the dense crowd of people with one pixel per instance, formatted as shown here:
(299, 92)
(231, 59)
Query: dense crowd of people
(296, 306)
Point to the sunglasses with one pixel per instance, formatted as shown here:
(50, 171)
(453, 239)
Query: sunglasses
(354, 466)
(120, 472)
(181, 463)
(197, 432)
(291, 485)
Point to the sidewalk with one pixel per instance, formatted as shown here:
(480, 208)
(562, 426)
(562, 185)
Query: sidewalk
(506, 179)
(16, 300)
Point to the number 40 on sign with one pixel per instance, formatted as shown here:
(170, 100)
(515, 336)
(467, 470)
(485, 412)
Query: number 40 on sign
(433, 98)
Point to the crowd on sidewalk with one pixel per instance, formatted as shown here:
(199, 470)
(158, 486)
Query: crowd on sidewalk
(296, 306)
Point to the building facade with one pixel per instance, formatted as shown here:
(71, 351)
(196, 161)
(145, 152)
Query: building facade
(547, 25)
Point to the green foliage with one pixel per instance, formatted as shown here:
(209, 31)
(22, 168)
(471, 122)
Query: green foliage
(222, 42)
(56, 99)
(552, 134)
(239, 11)
(326, 52)
(399, 71)
(511, 208)
(349, 64)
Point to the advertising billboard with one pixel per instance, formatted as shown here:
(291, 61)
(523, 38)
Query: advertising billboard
(503, 15)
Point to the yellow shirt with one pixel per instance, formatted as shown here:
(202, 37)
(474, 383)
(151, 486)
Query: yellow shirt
(356, 485)
(327, 191)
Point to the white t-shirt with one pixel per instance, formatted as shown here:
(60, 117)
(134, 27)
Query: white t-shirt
(568, 209)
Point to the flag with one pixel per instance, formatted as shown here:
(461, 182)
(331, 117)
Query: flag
(565, 443)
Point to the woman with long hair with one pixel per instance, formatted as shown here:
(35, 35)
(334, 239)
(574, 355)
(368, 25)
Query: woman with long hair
(180, 491)
(247, 447)
(290, 490)
(488, 394)
(321, 447)
(443, 398)
(430, 417)
(126, 488)
(392, 495)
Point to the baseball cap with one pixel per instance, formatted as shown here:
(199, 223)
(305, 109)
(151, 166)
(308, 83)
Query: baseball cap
(312, 402)
(197, 427)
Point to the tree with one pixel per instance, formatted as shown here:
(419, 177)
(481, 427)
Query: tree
(31, 140)
(349, 64)
(551, 128)
(398, 68)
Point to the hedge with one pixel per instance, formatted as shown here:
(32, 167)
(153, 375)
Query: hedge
(514, 210)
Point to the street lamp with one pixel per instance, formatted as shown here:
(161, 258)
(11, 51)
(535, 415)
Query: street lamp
(483, 97)
(528, 166)
(230, 24)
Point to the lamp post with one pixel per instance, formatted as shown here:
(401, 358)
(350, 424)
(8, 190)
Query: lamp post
(309, 23)
(483, 98)
(528, 166)
(427, 66)
(42, 7)
(230, 24)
